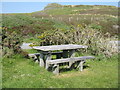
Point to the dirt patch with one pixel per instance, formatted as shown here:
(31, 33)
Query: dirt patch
(72, 74)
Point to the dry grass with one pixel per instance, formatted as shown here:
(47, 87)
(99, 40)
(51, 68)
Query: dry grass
(70, 75)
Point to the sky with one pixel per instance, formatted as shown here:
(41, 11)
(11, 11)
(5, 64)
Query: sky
(28, 7)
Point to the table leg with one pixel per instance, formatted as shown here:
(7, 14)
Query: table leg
(71, 54)
(48, 57)
(41, 62)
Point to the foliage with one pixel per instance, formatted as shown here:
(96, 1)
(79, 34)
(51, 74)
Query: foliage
(96, 42)
(10, 43)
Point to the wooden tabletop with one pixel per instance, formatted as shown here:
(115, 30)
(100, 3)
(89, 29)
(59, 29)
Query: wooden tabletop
(59, 47)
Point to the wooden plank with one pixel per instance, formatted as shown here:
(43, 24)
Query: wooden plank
(69, 59)
(59, 47)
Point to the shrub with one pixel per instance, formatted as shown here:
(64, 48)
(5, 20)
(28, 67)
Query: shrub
(94, 39)
(10, 43)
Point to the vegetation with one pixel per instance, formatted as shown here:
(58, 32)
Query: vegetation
(24, 73)
(10, 43)
(91, 25)
(96, 42)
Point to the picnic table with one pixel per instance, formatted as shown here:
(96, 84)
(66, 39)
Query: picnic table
(64, 53)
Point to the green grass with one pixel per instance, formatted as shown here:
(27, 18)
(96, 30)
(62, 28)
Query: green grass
(19, 72)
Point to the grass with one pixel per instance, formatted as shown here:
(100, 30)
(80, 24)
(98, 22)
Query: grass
(19, 72)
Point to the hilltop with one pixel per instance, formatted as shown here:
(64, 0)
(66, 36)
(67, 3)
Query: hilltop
(57, 9)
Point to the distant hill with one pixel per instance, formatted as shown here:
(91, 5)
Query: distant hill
(55, 16)
(57, 9)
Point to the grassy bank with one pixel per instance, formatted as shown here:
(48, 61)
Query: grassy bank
(19, 72)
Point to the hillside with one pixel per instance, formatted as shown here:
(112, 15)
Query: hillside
(64, 20)
(54, 15)
(57, 9)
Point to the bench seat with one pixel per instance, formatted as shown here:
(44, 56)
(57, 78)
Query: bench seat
(74, 59)
(71, 60)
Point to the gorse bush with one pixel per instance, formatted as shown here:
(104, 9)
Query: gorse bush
(10, 43)
(94, 39)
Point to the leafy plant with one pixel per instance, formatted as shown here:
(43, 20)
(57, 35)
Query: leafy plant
(11, 43)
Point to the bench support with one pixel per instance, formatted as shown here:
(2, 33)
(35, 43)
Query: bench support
(56, 69)
(80, 65)
(56, 62)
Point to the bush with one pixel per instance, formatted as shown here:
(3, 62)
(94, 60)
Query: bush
(10, 43)
(94, 39)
